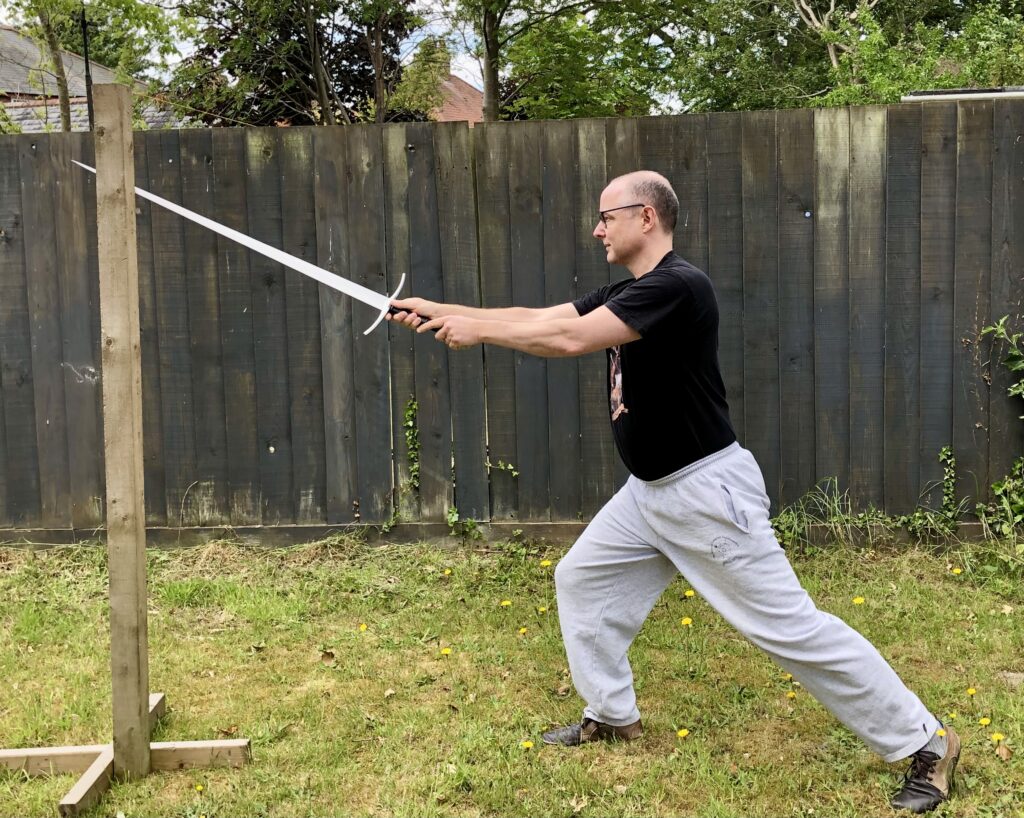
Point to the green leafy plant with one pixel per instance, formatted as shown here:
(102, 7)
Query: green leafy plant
(412, 442)
(1014, 359)
(501, 465)
(466, 528)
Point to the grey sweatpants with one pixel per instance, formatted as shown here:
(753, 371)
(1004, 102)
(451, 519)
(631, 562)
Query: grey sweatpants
(710, 522)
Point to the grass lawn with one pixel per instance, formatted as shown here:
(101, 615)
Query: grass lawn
(384, 720)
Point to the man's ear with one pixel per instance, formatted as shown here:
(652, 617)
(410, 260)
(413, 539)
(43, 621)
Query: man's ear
(649, 219)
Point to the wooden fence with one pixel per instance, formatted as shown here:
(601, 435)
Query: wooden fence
(856, 253)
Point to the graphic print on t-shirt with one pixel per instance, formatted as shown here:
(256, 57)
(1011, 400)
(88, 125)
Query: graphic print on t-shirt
(615, 373)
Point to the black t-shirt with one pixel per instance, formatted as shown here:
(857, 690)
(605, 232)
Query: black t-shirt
(666, 395)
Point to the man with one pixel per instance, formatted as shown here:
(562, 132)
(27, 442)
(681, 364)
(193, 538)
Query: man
(695, 501)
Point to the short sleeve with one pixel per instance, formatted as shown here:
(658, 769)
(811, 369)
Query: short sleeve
(591, 301)
(652, 301)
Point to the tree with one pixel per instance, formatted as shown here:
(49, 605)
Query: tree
(420, 88)
(300, 61)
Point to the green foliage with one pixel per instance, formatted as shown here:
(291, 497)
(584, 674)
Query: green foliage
(1014, 360)
(467, 528)
(412, 442)
(420, 86)
(1004, 516)
(501, 465)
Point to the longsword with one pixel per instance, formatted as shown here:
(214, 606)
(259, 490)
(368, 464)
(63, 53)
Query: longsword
(332, 280)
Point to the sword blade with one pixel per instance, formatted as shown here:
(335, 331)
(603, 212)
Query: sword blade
(326, 277)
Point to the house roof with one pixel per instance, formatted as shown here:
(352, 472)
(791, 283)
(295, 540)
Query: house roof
(462, 102)
(23, 72)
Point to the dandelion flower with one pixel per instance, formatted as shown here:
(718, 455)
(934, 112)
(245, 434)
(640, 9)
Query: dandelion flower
(997, 737)
(858, 600)
(526, 745)
(682, 733)
(958, 571)
(940, 732)
(506, 603)
(522, 631)
(971, 691)
(688, 593)
(787, 676)
(686, 622)
(446, 651)
(362, 626)
(199, 787)
(545, 563)
(542, 609)
(447, 572)
(951, 716)
(791, 695)
(984, 721)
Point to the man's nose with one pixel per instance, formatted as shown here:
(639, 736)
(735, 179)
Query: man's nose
(599, 230)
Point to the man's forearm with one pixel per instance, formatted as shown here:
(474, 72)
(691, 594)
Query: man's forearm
(548, 339)
(510, 314)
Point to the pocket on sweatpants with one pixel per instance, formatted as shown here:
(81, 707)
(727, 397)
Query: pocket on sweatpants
(735, 511)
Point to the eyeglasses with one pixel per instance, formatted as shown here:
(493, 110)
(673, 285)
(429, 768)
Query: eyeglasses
(602, 213)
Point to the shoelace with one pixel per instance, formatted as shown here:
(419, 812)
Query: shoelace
(922, 767)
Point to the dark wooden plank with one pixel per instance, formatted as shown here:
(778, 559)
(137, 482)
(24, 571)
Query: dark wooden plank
(236, 329)
(204, 327)
(676, 147)
(459, 258)
(335, 327)
(971, 294)
(302, 298)
(597, 446)
(184, 504)
(867, 305)
(270, 328)
(367, 264)
(831, 296)
(81, 368)
(491, 156)
(433, 395)
(558, 177)
(37, 182)
(155, 488)
(938, 229)
(725, 254)
(401, 349)
(796, 302)
(761, 294)
(902, 308)
(20, 462)
(623, 156)
(1006, 429)
(526, 188)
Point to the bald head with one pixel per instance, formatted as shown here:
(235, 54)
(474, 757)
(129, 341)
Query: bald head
(653, 189)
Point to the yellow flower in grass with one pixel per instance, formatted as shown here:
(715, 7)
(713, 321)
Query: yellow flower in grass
(545, 563)
(787, 676)
(686, 622)
(984, 721)
(688, 593)
(971, 691)
(522, 631)
(951, 716)
(957, 571)
(542, 609)
(199, 787)
(858, 600)
(997, 737)
(362, 626)
(505, 603)
(682, 733)
(447, 572)
(940, 732)
(790, 695)
(446, 651)
(526, 745)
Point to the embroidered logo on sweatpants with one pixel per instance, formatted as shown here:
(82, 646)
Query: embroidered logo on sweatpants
(725, 550)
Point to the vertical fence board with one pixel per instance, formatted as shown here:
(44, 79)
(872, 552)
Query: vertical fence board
(80, 367)
(432, 389)
(972, 288)
(236, 329)
(37, 181)
(938, 229)
(172, 329)
(725, 254)
(902, 308)
(559, 193)
(796, 302)
(210, 495)
(462, 285)
(402, 341)
(831, 296)
(329, 151)
(1006, 429)
(270, 328)
(367, 265)
(597, 447)
(867, 305)
(155, 488)
(761, 293)
(496, 271)
(21, 461)
(302, 302)
(527, 233)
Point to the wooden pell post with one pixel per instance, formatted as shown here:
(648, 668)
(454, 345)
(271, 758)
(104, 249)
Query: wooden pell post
(122, 429)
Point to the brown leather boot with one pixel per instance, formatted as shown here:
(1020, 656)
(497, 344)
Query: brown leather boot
(930, 778)
(589, 730)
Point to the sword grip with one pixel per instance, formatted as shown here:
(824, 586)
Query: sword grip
(392, 310)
